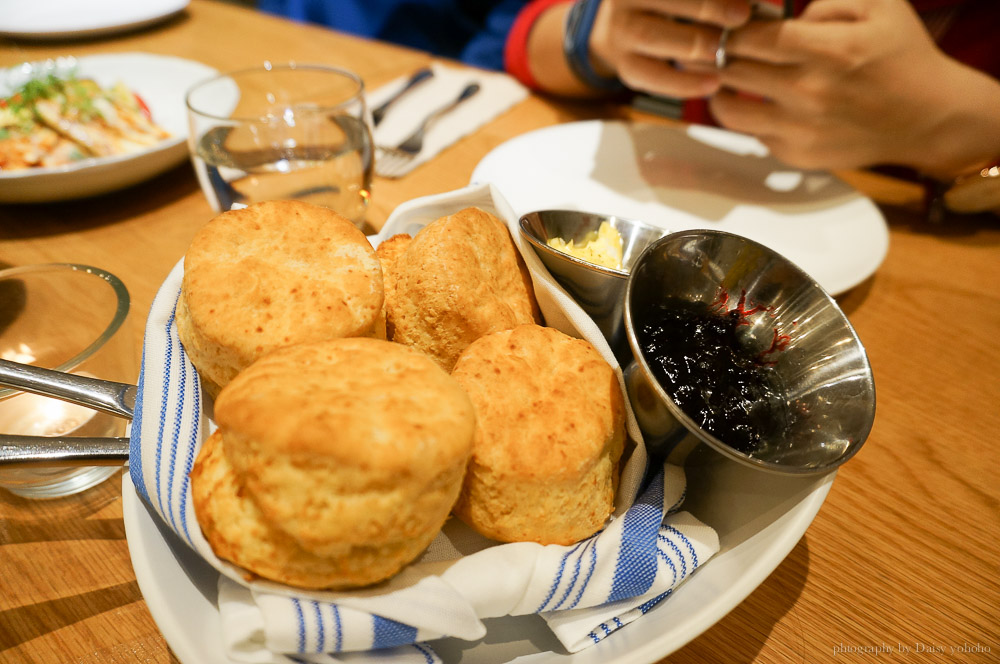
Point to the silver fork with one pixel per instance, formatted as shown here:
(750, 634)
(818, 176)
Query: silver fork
(391, 161)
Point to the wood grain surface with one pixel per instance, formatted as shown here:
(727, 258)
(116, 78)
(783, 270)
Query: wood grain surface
(902, 557)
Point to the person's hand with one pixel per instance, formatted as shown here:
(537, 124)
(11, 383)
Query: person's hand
(664, 47)
(855, 83)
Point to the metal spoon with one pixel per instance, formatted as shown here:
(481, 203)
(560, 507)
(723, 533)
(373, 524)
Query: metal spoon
(104, 395)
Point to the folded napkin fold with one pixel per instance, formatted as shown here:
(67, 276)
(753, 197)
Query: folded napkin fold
(497, 93)
(584, 592)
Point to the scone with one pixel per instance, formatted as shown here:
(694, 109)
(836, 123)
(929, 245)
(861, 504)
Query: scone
(344, 459)
(460, 277)
(273, 274)
(388, 252)
(237, 531)
(550, 432)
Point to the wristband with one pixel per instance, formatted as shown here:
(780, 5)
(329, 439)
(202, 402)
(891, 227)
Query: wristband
(968, 194)
(515, 52)
(576, 46)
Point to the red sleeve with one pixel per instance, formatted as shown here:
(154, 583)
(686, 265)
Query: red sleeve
(515, 52)
(971, 35)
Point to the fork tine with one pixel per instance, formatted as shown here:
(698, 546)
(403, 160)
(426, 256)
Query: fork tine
(390, 162)
(383, 162)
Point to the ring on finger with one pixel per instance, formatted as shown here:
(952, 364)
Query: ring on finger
(720, 51)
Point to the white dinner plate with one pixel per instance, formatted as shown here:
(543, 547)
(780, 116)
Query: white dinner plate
(759, 518)
(161, 81)
(69, 19)
(680, 178)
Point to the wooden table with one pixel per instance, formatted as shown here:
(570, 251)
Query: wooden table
(903, 553)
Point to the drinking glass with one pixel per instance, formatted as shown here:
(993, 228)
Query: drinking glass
(70, 318)
(288, 131)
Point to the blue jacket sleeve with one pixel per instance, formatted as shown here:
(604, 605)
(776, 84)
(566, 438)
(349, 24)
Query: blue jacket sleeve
(473, 31)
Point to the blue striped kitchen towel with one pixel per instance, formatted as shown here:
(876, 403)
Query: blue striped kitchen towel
(584, 591)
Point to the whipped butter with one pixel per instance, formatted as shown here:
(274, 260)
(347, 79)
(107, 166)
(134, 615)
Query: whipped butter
(601, 247)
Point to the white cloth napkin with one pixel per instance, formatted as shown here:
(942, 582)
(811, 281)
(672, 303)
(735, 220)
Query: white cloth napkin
(584, 592)
(497, 93)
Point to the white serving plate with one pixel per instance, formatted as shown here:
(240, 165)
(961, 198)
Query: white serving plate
(758, 516)
(681, 178)
(71, 19)
(161, 81)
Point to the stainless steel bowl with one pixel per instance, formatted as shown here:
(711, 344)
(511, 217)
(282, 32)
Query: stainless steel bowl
(599, 290)
(828, 387)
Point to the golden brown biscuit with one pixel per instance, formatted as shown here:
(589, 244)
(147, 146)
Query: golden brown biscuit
(550, 432)
(273, 274)
(388, 252)
(460, 278)
(353, 449)
(237, 532)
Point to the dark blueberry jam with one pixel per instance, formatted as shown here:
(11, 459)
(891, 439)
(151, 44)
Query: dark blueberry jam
(695, 353)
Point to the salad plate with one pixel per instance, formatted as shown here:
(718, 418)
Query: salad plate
(159, 81)
(687, 177)
(71, 19)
